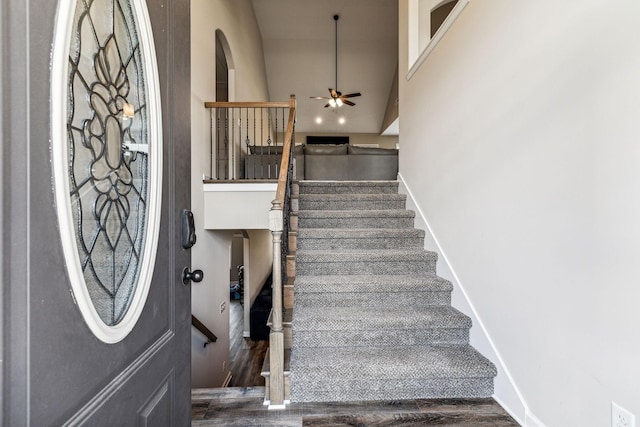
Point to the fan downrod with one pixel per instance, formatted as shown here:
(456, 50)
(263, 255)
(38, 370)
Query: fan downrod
(336, 97)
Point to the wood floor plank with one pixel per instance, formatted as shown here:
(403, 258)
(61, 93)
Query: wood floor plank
(245, 355)
(287, 421)
(230, 409)
(479, 405)
(199, 409)
(355, 408)
(222, 393)
(437, 412)
(406, 419)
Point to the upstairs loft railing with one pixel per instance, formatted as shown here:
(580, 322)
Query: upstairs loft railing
(247, 139)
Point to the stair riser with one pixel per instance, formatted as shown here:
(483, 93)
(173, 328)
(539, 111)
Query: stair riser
(349, 189)
(379, 338)
(364, 267)
(383, 300)
(338, 285)
(356, 243)
(350, 222)
(385, 389)
(347, 289)
(351, 204)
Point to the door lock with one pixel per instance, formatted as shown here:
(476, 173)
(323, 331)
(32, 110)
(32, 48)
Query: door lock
(191, 276)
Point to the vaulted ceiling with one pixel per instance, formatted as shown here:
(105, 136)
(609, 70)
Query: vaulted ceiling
(299, 45)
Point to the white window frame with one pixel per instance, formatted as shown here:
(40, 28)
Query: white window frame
(60, 160)
(417, 56)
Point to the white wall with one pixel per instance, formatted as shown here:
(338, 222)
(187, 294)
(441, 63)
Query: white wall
(232, 206)
(211, 253)
(261, 253)
(520, 143)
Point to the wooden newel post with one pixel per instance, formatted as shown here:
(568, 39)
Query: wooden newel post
(276, 336)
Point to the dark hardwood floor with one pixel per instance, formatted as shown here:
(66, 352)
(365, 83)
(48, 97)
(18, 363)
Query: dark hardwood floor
(241, 404)
(243, 407)
(246, 356)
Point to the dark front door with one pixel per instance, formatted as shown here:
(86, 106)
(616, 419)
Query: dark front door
(95, 174)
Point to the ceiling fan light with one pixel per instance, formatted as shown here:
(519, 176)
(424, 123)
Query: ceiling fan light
(332, 102)
(339, 102)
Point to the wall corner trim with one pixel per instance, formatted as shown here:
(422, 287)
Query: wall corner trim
(497, 358)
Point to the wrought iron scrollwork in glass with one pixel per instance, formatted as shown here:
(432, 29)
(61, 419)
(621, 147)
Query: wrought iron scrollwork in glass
(108, 137)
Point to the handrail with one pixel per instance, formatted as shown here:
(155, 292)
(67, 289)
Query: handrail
(279, 226)
(286, 152)
(276, 104)
(205, 331)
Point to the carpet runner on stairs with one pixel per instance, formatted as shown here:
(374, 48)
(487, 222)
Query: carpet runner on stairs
(371, 319)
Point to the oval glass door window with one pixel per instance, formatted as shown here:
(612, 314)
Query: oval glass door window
(107, 157)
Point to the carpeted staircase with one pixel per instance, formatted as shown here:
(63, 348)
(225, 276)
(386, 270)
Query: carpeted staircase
(371, 320)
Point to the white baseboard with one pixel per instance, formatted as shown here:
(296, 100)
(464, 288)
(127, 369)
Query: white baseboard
(507, 408)
(227, 380)
(531, 420)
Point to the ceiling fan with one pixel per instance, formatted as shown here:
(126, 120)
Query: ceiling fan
(337, 99)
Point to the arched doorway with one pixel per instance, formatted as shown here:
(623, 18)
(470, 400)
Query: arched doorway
(222, 69)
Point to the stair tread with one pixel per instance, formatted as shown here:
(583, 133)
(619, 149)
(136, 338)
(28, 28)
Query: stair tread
(365, 233)
(428, 280)
(424, 361)
(320, 183)
(321, 197)
(346, 318)
(358, 283)
(355, 187)
(367, 255)
(356, 213)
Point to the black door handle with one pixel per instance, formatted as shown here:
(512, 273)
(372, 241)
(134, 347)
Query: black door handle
(191, 276)
(188, 229)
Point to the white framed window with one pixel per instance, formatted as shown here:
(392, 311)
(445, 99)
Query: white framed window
(428, 21)
(106, 127)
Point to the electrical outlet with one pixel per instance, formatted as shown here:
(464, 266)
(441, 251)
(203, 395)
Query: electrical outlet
(223, 306)
(620, 417)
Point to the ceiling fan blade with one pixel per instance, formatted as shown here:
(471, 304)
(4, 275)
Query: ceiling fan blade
(351, 95)
(334, 93)
(345, 101)
(328, 105)
(319, 97)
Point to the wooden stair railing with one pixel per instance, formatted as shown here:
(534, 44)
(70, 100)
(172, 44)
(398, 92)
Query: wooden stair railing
(205, 331)
(279, 226)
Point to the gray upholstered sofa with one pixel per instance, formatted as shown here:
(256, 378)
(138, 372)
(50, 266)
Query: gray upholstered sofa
(349, 163)
(263, 162)
(332, 162)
